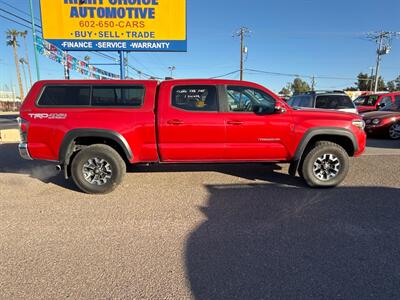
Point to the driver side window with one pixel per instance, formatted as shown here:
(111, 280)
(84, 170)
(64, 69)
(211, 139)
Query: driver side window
(245, 99)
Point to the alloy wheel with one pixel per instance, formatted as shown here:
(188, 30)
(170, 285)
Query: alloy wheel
(97, 171)
(326, 167)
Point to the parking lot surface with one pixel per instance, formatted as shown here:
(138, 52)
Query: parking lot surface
(8, 121)
(202, 232)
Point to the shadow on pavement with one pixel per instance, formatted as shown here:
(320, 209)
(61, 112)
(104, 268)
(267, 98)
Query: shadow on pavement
(265, 241)
(249, 171)
(383, 143)
(11, 162)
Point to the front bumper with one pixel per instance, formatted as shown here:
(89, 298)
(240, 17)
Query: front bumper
(376, 129)
(23, 151)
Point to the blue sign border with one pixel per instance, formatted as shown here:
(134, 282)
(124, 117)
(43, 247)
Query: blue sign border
(121, 45)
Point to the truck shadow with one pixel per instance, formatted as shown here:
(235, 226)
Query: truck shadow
(250, 171)
(266, 241)
(46, 172)
(383, 143)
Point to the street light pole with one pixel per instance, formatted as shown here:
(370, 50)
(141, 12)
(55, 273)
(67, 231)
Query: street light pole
(34, 40)
(171, 70)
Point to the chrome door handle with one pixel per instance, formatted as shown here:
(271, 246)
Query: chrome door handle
(235, 123)
(175, 122)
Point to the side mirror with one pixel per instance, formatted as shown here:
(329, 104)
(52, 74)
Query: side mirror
(381, 105)
(263, 110)
(279, 109)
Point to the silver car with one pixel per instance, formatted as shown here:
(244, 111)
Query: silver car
(335, 100)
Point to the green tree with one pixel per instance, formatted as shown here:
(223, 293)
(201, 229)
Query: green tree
(364, 82)
(391, 85)
(367, 83)
(12, 41)
(299, 86)
(397, 81)
(286, 91)
(23, 63)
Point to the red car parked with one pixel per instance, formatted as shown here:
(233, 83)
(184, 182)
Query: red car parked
(385, 122)
(93, 128)
(374, 102)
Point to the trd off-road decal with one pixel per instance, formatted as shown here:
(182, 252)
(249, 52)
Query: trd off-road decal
(43, 116)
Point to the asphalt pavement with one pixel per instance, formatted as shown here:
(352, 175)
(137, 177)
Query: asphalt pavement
(202, 232)
(8, 121)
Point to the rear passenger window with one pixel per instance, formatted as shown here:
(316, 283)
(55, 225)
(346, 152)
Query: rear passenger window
(195, 98)
(65, 96)
(334, 102)
(118, 96)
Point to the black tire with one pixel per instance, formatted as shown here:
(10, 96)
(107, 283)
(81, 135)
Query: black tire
(103, 166)
(325, 165)
(392, 132)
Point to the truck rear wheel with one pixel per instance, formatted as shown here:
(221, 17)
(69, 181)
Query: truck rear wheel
(325, 165)
(98, 169)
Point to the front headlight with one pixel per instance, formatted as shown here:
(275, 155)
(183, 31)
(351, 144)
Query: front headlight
(376, 121)
(368, 121)
(359, 123)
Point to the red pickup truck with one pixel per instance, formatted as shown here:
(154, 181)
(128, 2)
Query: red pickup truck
(94, 128)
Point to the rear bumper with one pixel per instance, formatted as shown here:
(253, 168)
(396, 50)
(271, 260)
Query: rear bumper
(23, 151)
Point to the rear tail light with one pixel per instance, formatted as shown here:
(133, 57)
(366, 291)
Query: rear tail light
(23, 129)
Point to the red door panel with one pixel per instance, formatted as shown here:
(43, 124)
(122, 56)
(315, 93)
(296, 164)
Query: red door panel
(251, 137)
(193, 132)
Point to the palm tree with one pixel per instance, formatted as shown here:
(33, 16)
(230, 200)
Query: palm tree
(23, 62)
(12, 41)
(24, 34)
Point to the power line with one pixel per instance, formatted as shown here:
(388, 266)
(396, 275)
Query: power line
(16, 22)
(142, 73)
(224, 75)
(303, 76)
(19, 10)
(18, 17)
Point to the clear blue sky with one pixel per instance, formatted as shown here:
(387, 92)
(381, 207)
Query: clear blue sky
(315, 37)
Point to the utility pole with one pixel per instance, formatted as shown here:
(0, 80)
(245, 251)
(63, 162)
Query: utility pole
(383, 39)
(34, 40)
(313, 83)
(371, 78)
(242, 32)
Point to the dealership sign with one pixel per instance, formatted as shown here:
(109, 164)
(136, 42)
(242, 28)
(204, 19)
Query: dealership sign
(115, 25)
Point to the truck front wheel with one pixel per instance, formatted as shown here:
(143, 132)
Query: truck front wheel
(325, 165)
(98, 169)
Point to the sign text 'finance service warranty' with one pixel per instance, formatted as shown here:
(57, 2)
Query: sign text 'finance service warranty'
(115, 25)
